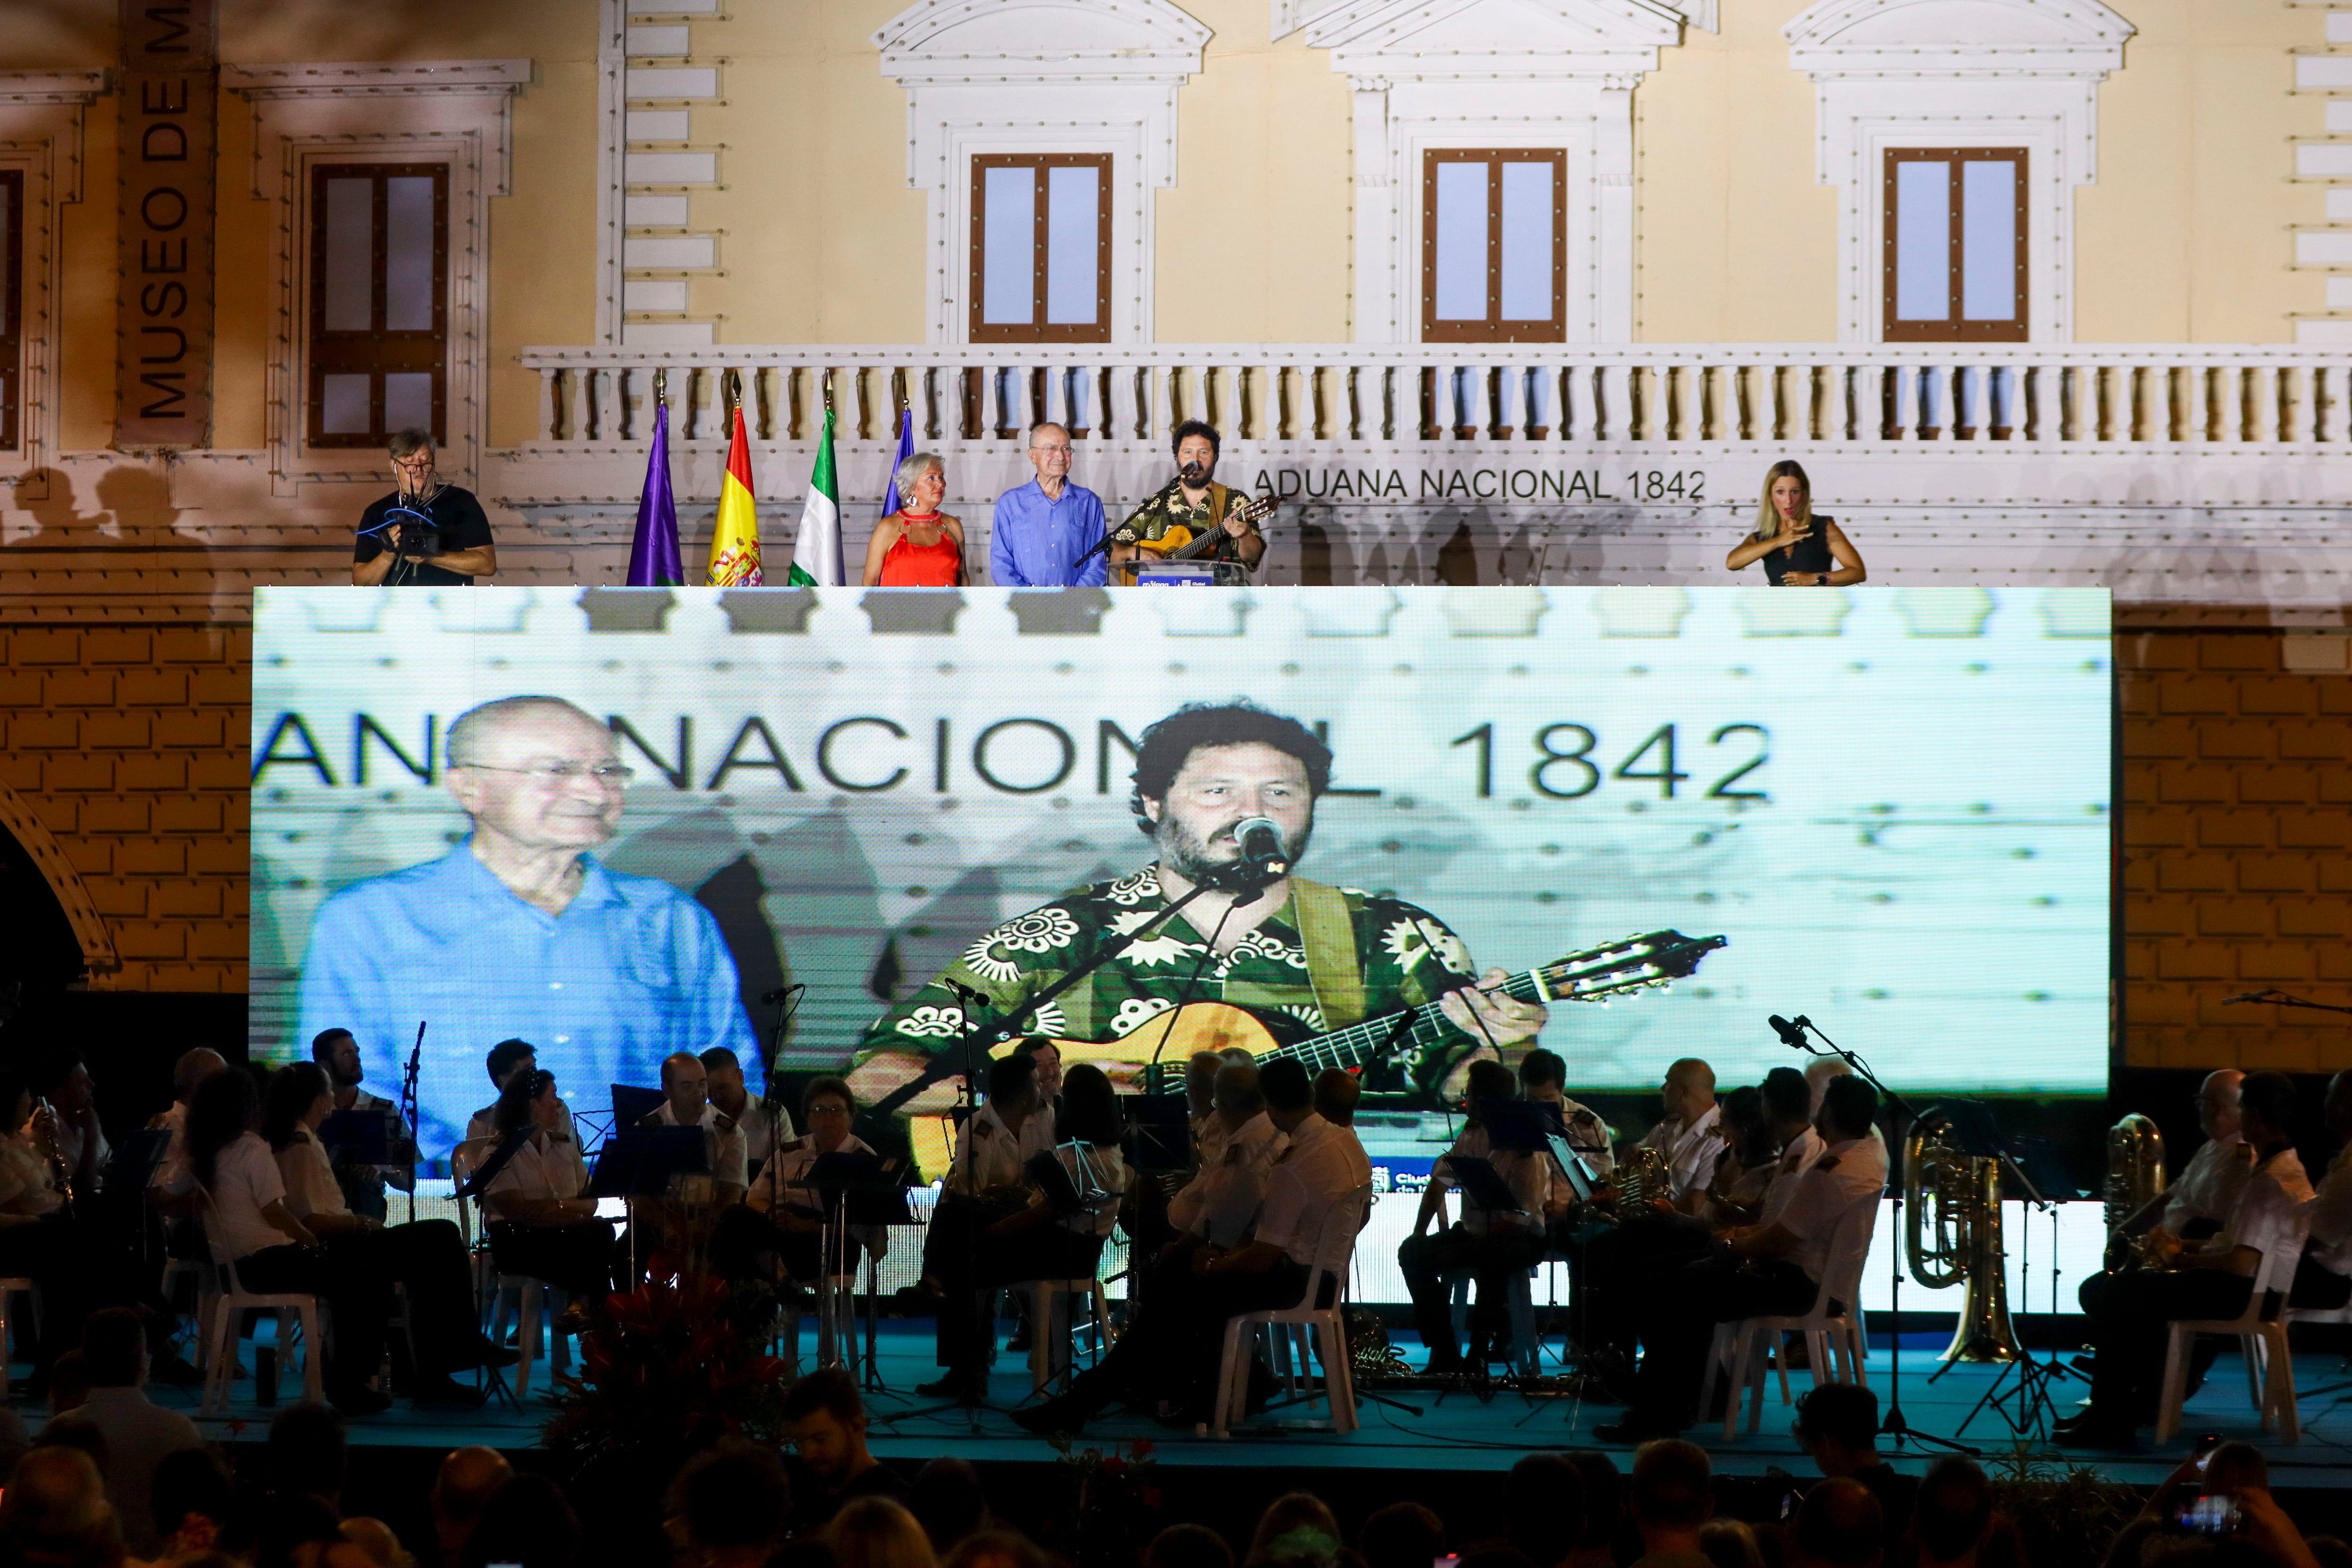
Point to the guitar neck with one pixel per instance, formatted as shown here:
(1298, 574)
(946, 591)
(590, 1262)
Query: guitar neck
(1413, 1032)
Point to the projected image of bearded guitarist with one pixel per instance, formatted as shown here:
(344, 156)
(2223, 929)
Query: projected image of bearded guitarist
(1297, 959)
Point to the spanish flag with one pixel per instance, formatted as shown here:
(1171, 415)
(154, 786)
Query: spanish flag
(735, 541)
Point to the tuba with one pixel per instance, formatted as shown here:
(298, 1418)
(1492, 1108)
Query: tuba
(1955, 1198)
(2135, 1175)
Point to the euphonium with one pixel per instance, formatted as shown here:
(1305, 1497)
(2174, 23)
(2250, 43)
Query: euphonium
(1642, 1175)
(2135, 1175)
(1955, 1199)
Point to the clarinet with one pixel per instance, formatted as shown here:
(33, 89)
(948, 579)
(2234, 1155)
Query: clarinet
(50, 1147)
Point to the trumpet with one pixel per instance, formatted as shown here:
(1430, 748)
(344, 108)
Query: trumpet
(1956, 1197)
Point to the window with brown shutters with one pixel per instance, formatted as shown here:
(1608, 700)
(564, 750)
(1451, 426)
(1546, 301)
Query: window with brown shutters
(1494, 245)
(379, 309)
(1040, 248)
(1954, 264)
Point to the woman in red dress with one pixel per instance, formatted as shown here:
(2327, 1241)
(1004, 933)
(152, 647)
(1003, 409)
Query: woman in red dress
(918, 546)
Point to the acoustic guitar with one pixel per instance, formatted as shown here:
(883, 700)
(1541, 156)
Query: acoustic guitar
(1654, 959)
(1180, 543)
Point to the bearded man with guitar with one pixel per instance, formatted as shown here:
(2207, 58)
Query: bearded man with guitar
(1295, 964)
(1190, 509)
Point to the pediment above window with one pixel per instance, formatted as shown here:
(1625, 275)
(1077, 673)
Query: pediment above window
(1503, 38)
(1948, 38)
(1031, 40)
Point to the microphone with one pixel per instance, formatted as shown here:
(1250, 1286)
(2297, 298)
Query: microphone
(1791, 1034)
(768, 998)
(1261, 845)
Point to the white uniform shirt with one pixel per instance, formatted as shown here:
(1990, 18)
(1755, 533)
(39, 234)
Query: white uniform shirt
(246, 1180)
(1800, 1156)
(2331, 1215)
(724, 1143)
(2270, 1214)
(1691, 1150)
(1588, 1136)
(1529, 1176)
(1360, 1164)
(761, 1135)
(989, 1154)
(543, 1167)
(485, 1124)
(1846, 1174)
(1222, 1201)
(309, 1178)
(1306, 1185)
(2208, 1188)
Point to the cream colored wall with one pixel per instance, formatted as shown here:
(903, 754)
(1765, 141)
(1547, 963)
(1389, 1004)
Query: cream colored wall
(1255, 238)
(821, 238)
(1735, 241)
(2185, 237)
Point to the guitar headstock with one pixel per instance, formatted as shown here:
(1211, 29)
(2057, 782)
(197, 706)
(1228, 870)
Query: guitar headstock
(1657, 958)
(1264, 505)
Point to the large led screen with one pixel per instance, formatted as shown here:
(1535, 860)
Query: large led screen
(1894, 807)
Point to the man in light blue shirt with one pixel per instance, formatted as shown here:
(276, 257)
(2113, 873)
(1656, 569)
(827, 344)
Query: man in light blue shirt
(1043, 527)
(520, 931)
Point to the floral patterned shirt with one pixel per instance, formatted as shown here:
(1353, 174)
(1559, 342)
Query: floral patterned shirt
(1409, 957)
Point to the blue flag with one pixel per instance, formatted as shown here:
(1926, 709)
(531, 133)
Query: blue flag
(654, 559)
(906, 450)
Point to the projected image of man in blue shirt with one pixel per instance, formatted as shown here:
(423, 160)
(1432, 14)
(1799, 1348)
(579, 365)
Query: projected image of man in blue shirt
(521, 931)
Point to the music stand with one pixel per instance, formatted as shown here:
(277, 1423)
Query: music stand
(639, 1162)
(853, 1188)
(1159, 1130)
(632, 1105)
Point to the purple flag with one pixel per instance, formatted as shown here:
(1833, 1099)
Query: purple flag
(906, 450)
(654, 560)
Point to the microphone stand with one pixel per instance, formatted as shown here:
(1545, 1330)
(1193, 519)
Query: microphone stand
(1893, 1423)
(408, 1112)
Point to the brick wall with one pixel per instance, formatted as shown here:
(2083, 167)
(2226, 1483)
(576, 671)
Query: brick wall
(132, 744)
(2236, 809)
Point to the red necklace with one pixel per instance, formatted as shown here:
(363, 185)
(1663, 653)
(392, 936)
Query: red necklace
(918, 517)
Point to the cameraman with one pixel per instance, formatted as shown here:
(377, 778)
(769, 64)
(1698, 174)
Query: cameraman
(394, 544)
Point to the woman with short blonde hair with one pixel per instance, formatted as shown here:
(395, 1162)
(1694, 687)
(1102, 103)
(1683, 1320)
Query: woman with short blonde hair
(876, 1532)
(1798, 550)
(918, 545)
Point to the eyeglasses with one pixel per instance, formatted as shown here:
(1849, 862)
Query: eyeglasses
(415, 465)
(1049, 451)
(557, 770)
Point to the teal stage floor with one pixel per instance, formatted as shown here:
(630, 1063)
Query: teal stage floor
(1458, 1431)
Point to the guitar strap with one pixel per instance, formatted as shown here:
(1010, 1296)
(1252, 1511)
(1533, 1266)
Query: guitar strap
(1328, 936)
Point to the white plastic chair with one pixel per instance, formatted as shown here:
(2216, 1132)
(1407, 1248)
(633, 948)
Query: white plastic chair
(1832, 1329)
(1334, 1248)
(1053, 1325)
(228, 1315)
(9, 1290)
(207, 1280)
(229, 1312)
(537, 1302)
(2261, 1332)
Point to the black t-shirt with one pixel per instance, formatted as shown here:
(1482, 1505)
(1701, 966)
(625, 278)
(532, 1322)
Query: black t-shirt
(463, 524)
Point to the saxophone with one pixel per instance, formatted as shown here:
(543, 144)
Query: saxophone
(45, 1139)
(1957, 1196)
(2135, 1175)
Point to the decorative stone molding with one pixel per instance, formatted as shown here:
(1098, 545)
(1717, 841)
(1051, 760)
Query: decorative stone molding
(1492, 73)
(978, 73)
(1957, 73)
(25, 825)
(40, 135)
(363, 112)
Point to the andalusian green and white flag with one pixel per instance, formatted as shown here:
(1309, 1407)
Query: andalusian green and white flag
(816, 550)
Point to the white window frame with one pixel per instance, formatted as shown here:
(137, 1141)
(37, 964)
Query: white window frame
(1424, 77)
(41, 115)
(451, 111)
(1001, 76)
(1961, 74)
